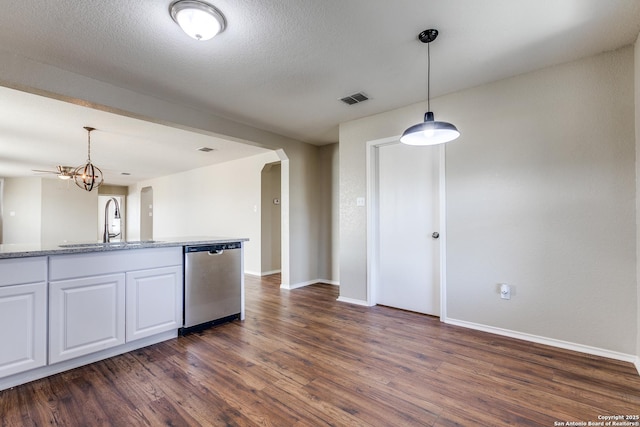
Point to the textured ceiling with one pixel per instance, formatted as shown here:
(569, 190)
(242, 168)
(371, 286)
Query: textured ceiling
(283, 65)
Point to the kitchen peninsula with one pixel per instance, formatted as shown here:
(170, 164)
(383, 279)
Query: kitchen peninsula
(64, 306)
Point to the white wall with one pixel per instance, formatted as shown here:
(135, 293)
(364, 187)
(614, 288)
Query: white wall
(22, 210)
(48, 211)
(222, 200)
(69, 214)
(540, 195)
(303, 214)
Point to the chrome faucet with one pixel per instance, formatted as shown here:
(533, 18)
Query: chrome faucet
(106, 236)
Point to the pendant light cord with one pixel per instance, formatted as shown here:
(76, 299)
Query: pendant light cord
(89, 146)
(428, 77)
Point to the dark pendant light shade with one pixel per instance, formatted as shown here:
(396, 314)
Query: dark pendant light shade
(429, 132)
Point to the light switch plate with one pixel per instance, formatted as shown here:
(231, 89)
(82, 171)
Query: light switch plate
(505, 291)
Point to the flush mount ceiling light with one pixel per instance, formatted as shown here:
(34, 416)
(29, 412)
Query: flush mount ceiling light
(198, 19)
(429, 132)
(88, 176)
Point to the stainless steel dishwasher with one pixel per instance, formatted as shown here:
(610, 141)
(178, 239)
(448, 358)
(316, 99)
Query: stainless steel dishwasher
(212, 285)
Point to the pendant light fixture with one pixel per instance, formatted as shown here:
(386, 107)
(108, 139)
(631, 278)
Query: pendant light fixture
(88, 176)
(199, 20)
(429, 132)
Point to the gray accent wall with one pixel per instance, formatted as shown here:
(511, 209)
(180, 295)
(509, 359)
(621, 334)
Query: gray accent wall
(271, 219)
(540, 195)
(329, 195)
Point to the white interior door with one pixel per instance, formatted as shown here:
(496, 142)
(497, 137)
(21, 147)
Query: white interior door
(407, 203)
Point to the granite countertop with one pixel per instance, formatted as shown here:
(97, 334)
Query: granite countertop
(31, 250)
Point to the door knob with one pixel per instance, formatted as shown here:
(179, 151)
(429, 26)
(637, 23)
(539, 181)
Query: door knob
(435, 235)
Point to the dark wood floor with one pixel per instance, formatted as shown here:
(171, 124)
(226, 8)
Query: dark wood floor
(303, 359)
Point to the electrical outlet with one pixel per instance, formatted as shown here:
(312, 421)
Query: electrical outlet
(505, 291)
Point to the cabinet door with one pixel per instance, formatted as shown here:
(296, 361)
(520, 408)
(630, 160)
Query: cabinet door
(23, 337)
(154, 301)
(85, 315)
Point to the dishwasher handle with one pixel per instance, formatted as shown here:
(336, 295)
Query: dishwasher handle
(213, 249)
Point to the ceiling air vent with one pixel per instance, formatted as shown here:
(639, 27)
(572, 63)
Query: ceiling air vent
(206, 149)
(355, 98)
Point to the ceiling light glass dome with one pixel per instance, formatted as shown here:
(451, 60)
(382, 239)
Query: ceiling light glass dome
(199, 20)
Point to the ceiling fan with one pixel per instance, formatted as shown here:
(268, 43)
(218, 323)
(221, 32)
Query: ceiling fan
(87, 176)
(63, 172)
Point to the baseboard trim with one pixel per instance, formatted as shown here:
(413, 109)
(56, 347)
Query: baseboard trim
(354, 301)
(307, 283)
(637, 363)
(547, 341)
(297, 285)
(269, 273)
(262, 274)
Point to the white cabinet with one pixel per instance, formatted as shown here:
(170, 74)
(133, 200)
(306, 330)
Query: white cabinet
(62, 311)
(85, 315)
(23, 314)
(154, 301)
(101, 300)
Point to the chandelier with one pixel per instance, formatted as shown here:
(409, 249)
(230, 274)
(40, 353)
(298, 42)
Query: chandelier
(88, 176)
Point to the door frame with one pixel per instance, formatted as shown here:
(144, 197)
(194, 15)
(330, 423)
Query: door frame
(372, 220)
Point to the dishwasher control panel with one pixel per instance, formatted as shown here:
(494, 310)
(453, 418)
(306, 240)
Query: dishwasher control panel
(215, 247)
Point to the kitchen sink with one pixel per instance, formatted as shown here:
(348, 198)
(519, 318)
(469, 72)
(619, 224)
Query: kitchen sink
(107, 245)
(140, 242)
(83, 245)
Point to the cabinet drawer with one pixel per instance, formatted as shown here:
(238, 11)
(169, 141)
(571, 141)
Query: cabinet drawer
(106, 262)
(16, 271)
